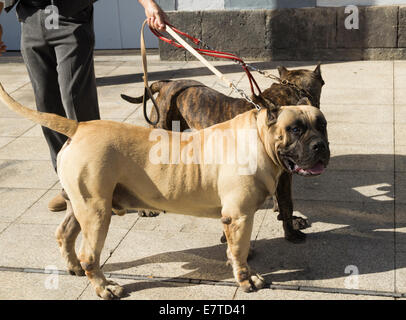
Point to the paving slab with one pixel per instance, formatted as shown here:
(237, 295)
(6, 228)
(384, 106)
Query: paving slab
(353, 95)
(14, 127)
(14, 76)
(400, 112)
(3, 226)
(400, 158)
(372, 74)
(27, 148)
(27, 174)
(14, 202)
(34, 132)
(359, 133)
(400, 182)
(5, 141)
(399, 74)
(31, 286)
(358, 114)
(400, 134)
(35, 246)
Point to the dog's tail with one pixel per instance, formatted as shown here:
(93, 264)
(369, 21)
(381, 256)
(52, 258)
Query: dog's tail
(155, 87)
(52, 121)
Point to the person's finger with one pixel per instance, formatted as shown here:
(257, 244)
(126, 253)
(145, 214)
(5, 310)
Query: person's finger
(151, 22)
(160, 23)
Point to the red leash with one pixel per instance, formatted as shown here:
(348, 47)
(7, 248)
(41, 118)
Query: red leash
(209, 52)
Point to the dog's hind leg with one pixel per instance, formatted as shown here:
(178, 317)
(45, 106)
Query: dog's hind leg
(94, 217)
(66, 235)
(237, 229)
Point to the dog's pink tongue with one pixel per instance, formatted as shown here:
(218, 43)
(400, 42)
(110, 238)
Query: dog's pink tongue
(317, 169)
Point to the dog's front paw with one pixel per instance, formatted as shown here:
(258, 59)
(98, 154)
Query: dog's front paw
(110, 290)
(295, 236)
(253, 283)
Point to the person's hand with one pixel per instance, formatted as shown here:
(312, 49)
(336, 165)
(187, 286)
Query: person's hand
(2, 45)
(155, 15)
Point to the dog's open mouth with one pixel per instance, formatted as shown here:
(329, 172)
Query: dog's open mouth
(313, 171)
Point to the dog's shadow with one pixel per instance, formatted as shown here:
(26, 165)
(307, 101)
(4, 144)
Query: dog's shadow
(353, 227)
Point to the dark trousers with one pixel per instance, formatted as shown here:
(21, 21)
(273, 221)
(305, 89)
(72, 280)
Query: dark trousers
(60, 66)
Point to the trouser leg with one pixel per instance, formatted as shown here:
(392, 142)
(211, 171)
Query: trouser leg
(74, 45)
(40, 60)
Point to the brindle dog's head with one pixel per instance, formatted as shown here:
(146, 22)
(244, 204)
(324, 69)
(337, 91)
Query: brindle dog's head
(307, 80)
(295, 137)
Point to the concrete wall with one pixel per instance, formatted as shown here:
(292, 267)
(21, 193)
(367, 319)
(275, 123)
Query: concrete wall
(296, 34)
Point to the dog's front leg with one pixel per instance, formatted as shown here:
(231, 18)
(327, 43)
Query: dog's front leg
(94, 219)
(298, 223)
(284, 198)
(237, 229)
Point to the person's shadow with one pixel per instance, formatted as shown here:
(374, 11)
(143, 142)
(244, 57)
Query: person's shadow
(353, 219)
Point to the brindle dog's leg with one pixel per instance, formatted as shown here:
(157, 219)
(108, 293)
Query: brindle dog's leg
(66, 235)
(299, 223)
(238, 232)
(284, 198)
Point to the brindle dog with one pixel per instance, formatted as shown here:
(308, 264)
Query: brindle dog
(194, 105)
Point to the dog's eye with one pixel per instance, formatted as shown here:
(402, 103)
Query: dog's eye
(295, 129)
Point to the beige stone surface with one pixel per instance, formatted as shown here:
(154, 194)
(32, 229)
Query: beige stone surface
(33, 286)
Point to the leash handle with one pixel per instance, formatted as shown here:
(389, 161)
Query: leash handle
(147, 90)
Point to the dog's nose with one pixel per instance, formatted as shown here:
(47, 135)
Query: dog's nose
(318, 146)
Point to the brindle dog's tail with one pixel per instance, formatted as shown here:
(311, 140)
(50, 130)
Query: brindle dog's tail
(155, 87)
(52, 121)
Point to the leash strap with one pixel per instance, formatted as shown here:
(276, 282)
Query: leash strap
(147, 90)
(208, 65)
(208, 51)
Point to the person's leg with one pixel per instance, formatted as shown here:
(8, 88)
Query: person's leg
(74, 44)
(41, 63)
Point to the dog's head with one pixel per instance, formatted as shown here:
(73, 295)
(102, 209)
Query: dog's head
(295, 137)
(307, 80)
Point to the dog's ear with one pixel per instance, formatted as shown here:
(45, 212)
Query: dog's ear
(304, 101)
(317, 71)
(282, 71)
(272, 115)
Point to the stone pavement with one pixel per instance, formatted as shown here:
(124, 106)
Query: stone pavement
(357, 207)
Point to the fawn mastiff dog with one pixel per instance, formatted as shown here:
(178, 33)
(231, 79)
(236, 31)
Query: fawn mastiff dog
(197, 106)
(107, 164)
